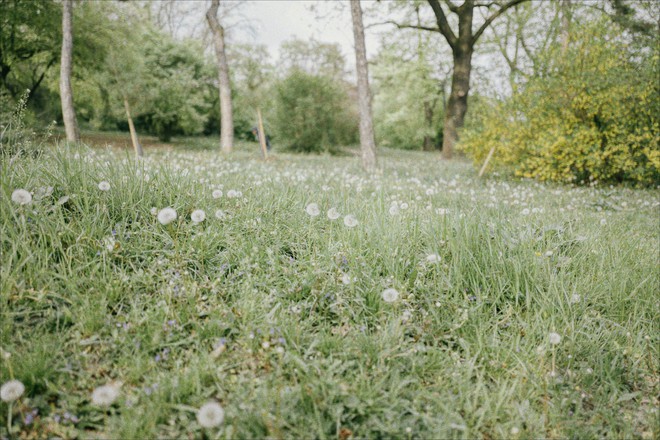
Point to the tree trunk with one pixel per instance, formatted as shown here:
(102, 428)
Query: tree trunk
(458, 100)
(66, 93)
(367, 141)
(134, 139)
(226, 113)
(428, 118)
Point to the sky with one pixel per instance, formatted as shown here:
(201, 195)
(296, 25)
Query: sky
(276, 21)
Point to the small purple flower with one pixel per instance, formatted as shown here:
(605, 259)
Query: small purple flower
(281, 340)
(57, 418)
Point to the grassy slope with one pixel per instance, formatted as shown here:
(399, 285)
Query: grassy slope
(463, 353)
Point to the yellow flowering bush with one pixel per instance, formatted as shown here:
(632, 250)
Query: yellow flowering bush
(594, 115)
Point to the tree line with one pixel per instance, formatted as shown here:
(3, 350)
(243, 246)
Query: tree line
(581, 100)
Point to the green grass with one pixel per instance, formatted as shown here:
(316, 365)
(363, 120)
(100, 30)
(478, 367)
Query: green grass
(463, 352)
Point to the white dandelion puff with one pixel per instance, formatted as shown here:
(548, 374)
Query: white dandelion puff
(217, 194)
(166, 216)
(210, 415)
(525, 211)
(154, 211)
(333, 214)
(312, 210)
(220, 214)
(104, 186)
(105, 395)
(21, 196)
(394, 210)
(11, 390)
(390, 295)
(346, 279)
(350, 221)
(554, 338)
(232, 193)
(433, 258)
(198, 216)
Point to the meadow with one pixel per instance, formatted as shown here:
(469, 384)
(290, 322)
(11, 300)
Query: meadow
(311, 300)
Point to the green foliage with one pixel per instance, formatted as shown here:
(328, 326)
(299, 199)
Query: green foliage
(595, 116)
(408, 86)
(313, 113)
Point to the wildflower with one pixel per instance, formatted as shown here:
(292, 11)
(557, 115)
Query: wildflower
(104, 186)
(575, 298)
(166, 216)
(265, 345)
(394, 210)
(198, 216)
(390, 295)
(154, 211)
(350, 221)
(333, 214)
(105, 395)
(525, 211)
(220, 214)
(346, 279)
(433, 258)
(11, 390)
(217, 194)
(21, 196)
(210, 415)
(233, 193)
(603, 222)
(554, 338)
(312, 209)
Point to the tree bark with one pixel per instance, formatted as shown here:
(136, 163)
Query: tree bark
(226, 113)
(428, 118)
(458, 101)
(367, 140)
(66, 92)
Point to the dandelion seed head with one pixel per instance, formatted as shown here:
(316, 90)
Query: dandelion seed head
(313, 209)
(433, 258)
(105, 395)
(217, 193)
(220, 214)
(198, 216)
(350, 221)
(11, 390)
(333, 214)
(390, 295)
(154, 211)
(21, 196)
(166, 216)
(104, 186)
(210, 415)
(554, 338)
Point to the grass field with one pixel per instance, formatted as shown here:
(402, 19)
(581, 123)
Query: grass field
(524, 310)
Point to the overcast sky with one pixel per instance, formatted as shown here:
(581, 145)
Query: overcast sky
(276, 21)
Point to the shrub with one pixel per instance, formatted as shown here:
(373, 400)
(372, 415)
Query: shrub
(595, 116)
(313, 113)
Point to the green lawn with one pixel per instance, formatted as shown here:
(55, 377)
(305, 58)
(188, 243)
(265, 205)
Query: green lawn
(279, 316)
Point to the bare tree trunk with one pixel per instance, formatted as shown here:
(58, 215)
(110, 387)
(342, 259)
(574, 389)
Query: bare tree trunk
(66, 93)
(367, 141)
(458, 101)
(226, 113)
(134, 139)
(428, 118)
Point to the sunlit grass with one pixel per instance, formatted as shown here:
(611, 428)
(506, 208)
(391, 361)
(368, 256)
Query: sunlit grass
(281, 316)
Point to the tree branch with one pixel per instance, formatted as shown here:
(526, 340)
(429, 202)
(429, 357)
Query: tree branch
(452, 7)
(406, 26)
(443, 24)
(490, 19)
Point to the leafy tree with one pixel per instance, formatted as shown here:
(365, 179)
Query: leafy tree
(410, 91)
(314, 57)
(462, 40)
(313, 113)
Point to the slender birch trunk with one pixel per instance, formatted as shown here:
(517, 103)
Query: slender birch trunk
(66, 92)
(367, 141)
(226, 114)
